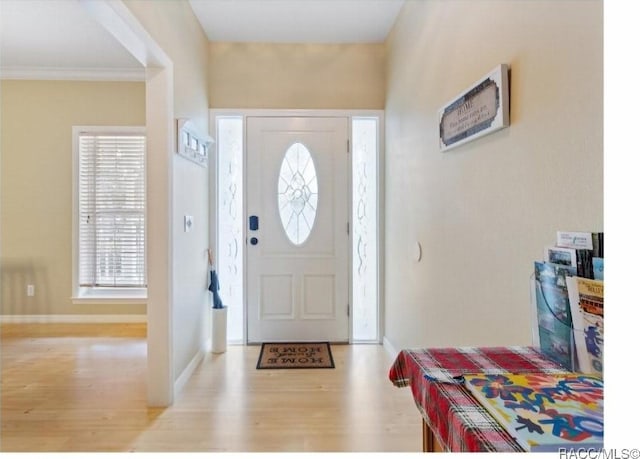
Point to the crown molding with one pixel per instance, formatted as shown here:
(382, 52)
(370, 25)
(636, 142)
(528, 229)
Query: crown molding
(75, 74)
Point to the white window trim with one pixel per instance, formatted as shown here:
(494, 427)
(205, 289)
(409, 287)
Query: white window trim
(85, 295)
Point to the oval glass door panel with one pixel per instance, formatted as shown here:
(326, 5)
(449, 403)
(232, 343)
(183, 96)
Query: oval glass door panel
(297, 193)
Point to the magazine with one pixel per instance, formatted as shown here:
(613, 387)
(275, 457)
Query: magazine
(598, 268)
(575, 240)
(544, 412)
(586, 298)
(561, 256)
(555, 330)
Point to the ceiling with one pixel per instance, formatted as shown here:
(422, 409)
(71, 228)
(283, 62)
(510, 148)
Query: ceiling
(297, 21)
(58, 39)
(45, 38)
(49, 37)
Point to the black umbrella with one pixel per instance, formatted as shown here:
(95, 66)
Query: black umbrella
(213, 288)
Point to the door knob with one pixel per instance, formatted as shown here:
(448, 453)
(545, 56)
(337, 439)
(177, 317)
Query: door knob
(253, 241)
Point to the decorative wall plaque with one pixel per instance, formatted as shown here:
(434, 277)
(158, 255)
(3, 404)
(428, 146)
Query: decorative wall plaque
(480, 110)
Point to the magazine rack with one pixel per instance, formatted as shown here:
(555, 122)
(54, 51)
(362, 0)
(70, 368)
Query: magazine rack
(567, 302)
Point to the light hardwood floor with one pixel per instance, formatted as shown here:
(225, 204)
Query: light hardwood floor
(83, 388)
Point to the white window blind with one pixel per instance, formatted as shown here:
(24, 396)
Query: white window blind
(111, 205)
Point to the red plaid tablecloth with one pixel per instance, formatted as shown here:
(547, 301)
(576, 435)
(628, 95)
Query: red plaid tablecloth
(458, 421)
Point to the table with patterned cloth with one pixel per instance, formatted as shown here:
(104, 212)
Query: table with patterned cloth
(451, 415)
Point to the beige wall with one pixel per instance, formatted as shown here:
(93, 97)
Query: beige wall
(174, 27)
(484, 212)
(36, 185)
(314, 76)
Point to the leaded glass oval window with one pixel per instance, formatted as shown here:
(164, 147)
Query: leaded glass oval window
(297, 193)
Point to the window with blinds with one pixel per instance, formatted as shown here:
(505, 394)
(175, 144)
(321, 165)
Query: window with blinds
(111, 210)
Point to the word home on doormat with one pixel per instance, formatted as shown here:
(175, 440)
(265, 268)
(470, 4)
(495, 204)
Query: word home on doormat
(295, 355)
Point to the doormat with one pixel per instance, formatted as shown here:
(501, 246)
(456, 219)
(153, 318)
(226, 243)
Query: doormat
(295, 355)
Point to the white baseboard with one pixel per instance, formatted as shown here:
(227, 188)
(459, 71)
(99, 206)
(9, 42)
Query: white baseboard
(389, 347)
(178, 385)
(73, 318)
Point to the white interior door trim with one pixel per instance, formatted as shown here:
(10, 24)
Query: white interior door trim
(119, 21)
(326, 113)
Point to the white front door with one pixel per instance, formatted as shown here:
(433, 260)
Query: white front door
(297, 229)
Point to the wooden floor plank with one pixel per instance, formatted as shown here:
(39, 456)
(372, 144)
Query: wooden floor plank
(82, 387)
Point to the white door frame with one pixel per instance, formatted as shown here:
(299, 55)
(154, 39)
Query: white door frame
(349, 114)
(119, 21)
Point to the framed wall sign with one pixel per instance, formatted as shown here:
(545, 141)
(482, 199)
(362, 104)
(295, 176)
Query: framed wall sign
(480, 110)
(193, 144)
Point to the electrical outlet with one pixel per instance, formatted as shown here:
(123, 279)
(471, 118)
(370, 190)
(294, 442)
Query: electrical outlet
(31, 290)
